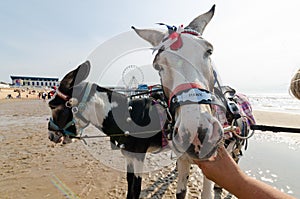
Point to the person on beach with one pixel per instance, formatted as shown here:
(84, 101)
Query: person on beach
(223, 170)
(44, 95)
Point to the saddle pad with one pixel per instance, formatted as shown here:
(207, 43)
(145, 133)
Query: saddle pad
(244, 108)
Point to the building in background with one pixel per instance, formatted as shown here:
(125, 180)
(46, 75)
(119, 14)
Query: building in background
(26, 81)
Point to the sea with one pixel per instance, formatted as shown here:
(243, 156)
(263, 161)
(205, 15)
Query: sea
(274, 157)
(277, 102)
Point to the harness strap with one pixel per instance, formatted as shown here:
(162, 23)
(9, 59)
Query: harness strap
(223, 99)
(85, 96)
(54, 127)
(192, 93)
(82, 105)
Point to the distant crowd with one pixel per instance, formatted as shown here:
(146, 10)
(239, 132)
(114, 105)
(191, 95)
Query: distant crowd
(18, 93)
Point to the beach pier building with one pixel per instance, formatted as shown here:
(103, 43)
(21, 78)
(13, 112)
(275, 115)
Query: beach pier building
(27, 81)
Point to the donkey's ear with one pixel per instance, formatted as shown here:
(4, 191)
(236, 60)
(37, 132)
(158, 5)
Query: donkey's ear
(200, 22)
(76, 76)
(154, 37)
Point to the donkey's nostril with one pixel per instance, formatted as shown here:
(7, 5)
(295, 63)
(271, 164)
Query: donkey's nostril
(51, 137)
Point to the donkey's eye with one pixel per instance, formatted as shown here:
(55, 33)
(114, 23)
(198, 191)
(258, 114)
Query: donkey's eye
(209, 52)
(158, 67)
(51, 106)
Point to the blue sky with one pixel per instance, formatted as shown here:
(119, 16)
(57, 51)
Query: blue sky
(256, 43)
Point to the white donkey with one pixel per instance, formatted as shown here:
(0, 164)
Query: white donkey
(187, 76)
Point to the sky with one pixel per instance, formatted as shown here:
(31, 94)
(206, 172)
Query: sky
(256, 43)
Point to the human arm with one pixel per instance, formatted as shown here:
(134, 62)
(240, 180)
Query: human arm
(226, 173)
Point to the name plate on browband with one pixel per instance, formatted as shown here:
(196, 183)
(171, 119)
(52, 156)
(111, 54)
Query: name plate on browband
(193, 95)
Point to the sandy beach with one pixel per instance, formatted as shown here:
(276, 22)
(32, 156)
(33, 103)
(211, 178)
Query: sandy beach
(33, 167)
(24, 93)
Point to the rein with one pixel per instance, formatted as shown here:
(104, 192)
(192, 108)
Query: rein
(274, 129)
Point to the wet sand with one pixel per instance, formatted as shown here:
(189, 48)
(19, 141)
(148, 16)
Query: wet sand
(32, 167)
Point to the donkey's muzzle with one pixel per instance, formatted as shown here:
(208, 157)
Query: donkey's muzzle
(200, 145)
(55, 136)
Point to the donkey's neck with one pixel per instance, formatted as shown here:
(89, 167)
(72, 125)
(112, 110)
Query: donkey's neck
(100, 109)
(97, 108)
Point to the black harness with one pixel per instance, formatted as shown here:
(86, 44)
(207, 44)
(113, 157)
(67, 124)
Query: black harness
(136, 111)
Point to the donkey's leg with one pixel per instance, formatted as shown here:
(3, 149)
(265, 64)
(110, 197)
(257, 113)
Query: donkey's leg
(134, 185)
(183, 166)
(134, 176)
(207, 192)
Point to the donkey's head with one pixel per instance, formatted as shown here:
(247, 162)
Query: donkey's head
(187, 76)
(62, 124)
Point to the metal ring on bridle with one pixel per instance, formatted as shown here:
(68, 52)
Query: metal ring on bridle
(74, 109)
(68, 104)
(237, 135)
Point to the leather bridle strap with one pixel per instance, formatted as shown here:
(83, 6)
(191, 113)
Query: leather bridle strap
(61, 95)
(183, 87)
(191, 93)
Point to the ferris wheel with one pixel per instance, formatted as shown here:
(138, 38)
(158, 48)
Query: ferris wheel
(132, 76)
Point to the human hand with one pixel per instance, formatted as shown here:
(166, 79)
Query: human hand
(223, 170)
(220, 168)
